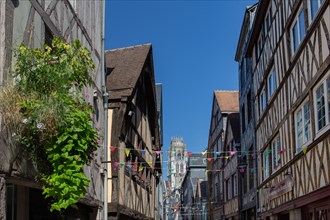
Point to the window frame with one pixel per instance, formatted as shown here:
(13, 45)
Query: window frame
(266, 162)
(276, 153)
(309, 9)
(262, 101)
(234, 186)
(272, 84)
(301, 109)
(228, 187)
(322, 84)
(299, 38)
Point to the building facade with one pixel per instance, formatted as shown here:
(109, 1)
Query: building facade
(289, 49)
(231, 171)
(247, 161)
(134, 159)
(224, 102)
(177, 166)
(35, 23)
(195, 173)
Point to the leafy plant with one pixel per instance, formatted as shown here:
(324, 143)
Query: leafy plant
(55, 122)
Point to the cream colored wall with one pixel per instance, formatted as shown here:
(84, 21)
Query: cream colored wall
(110, 121)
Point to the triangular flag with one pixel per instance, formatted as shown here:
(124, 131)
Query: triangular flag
(127, 152)
(143, 151)
(150, 163)
(217, 153)
(135, 165)
(241, 170)
(121, 165)
(115, 165)
(227, 157)
(232, 153)
(209, 158)
(204, 152)
(140, 168)
(246, 152)
(206, 171)
(112, 149)
(304, 150)
(157, 152)
(189, 154)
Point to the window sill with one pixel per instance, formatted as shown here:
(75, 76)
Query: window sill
(300, 149)
(322, 131)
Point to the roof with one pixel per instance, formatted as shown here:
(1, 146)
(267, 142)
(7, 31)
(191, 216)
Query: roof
(227, 100)
(124, 66)
(233, 120)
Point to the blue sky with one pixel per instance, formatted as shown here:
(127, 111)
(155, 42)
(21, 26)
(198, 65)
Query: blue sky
(194, 44)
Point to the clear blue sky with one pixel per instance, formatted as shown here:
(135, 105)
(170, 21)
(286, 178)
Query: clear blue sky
(194, 44)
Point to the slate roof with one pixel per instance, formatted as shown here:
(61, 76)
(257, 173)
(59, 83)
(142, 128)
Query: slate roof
(227, 100)
(124, 66)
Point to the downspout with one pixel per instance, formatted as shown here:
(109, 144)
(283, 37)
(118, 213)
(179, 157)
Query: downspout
(105, 106)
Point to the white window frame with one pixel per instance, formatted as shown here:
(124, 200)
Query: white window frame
(322, 84)
(305, 127)
(272, 84)
(276, 153)
(262, 100)
(309, 8)
(300, 38)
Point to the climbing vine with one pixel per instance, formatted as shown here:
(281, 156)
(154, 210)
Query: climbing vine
(53, 120)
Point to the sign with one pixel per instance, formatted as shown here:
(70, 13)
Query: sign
(281, 188)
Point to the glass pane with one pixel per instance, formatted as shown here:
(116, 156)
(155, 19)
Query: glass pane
(301, 26)
(307, 121)
(328, 88)
(295, 37)
(299, 129)
(320, 105)
(314, 7)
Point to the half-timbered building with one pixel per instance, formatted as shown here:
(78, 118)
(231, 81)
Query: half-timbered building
(247, 161)
(289, 48)
(231, 154)
(134, 156)
(224, 102)
(34, 23)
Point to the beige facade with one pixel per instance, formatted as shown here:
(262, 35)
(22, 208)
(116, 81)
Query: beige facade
(289, 47)
(134, 166)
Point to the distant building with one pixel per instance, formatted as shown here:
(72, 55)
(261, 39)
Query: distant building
(224, 103)
(201, 200)
(177, 165)
(248, 178)
(133, 133)
(231, 171)
(289, 47)
(195, 173)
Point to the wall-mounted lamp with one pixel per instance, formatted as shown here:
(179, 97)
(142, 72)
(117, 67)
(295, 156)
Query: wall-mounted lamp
(131, 113)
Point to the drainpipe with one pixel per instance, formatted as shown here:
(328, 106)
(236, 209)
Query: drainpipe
(105, 108)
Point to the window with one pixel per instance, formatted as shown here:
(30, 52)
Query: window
(271, 83)
(228, 189)
(249, 106)
(266, 159)
(234, 185)
(251, 168)
(244, 176)
(276, 153)
(302, 125)
(262, 101)
(243, 119)
(322, 104)
(313, 7)
(267, 22)
(298, 31)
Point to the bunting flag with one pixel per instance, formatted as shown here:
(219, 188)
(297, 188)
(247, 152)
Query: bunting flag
(232, 153)
(206, 171)
(304, 150)
(204, 152)
(115, 165)
(217, 153)
(209, 159)
(157, 152)
(150, 163)
(112, 149)
(143, 151)
(135, 165)
(241, 170)
(246, 152)
(121, 165)
(189, 154)
(227, 157)
(140, 168)
(139, 148)
(127, 152)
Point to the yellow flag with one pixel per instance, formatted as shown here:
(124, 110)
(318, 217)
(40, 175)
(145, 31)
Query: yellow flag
(127, 152)
(203, 153)
(150, 163)
(304, 150)
(140, 168)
